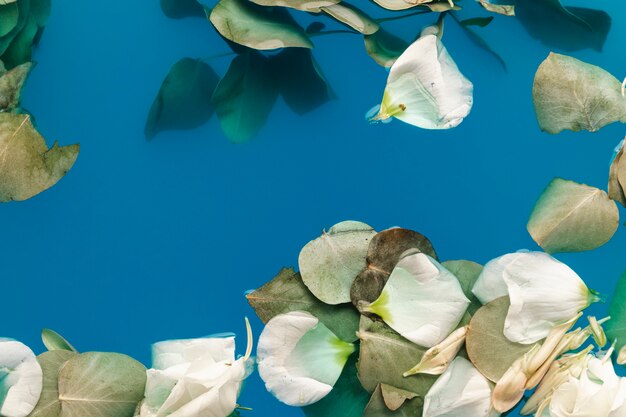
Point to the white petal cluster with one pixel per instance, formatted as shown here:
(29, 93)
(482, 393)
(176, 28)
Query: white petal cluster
(21, 379)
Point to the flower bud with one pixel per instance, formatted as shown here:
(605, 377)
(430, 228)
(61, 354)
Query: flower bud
(437, 359)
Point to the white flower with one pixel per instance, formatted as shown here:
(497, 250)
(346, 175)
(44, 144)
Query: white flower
(21, 379)
(490, 283)
(195, 378)
(461, 391)
(300, 359)
(422, 300)
(425, 88)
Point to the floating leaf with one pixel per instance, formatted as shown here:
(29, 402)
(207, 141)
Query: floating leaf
(11, 83)
(244, 97)
(385, 356)
(383, 253)
(184, 99)
(286, 293)
(51, 363)
(27, 166)
(302, 83)
(347, 399)
(102, 384)
(400, 4)
(487, 346)
(21, 48)
(572, 217)
(178, 9)
(313, 6)
(330, 263)
(378, 407)
(54, 341)
(616, 327)
(617, 177)
(467, 273)
(566, 28)
(352, 17)
(571, 94)
(477, 21)
(384, 47)
(9, 16)
(502, 9)
(257, 27)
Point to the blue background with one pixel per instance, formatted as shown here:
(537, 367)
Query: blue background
(145, 241)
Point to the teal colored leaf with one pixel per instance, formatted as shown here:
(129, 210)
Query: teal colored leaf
(616, 327)
(9, 16)
(257, 27)
(244, 98)
(21, 48)
(184, 99)
(51, 363)
(40, 10)
(54, 341)
(477, 21)
(23, 17)
(384, 47)
(179, 9)
(572, 217)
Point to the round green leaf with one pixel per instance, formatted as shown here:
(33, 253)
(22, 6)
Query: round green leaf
(51, 363)
(487, 346)
(572, 217)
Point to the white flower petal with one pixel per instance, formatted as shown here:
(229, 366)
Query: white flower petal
(175, 352)
(543, 292)
(490, 283)
(425, 87)
(461, 391)
(299, 359)
(21, 379)
(422, 300)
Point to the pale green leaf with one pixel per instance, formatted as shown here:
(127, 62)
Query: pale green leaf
(505, 10)
(352, 17)
(313, 6)
(408, 403)
(51, 363)
(54, 341)
(400, 4)
(384, 47)
(617, 177)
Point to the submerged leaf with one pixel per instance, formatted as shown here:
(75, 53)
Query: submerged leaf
(256, 26)
(616, 327)
(408, 404)
(571, 94)
(21, 48)
(40, 9)
(244, 97)
(330, 263)
(313, 6)
(178, 9)
(9, 16)
(504, 10)
(477, 21)
(352, 17)
(27, 166)
(54, 341)
(184, 99)
(102, 384)
(617, 177)
(51, 363)
(286, 292)
(572, 217)
(487, 346)
(400, 4)
(11, 83)
(384, 47)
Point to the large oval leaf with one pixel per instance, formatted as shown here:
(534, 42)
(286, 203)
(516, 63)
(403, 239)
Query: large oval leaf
(572, 217)
(51, 363)
(330, 263)
(571, 94)
(257, 27)
(616, 327)
(28, 167)
(286, 293)
(487, 346)
(305, 5)
(101, 384)
(352, 17)
(184, 100)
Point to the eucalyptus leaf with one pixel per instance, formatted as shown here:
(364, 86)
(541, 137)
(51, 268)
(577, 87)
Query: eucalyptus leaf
(101, 384)
(384, 47)
(51, 363)
(617, 177)
(313, 6)
(571, 94)
(383, 253)
(353, 17)
(244, 97)
(9, 16)
(257, 27)
(467, 273)
(184, 99)
(400, 4)
(441, 6)
(21, 48)
(54, 341)
(505, 10)
(385, 356)
(487, 346)
(616, 327)
(286, 293)
(347, 399)
(11, 83)
(377, 407)
(178, 9)
(27, 166)
(330, 263)
(395, 398)
(572, 217)
(477, 21)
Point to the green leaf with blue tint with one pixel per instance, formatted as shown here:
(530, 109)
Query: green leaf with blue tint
(54, 341)
(616, 327)
(9, 16)
(51, 362)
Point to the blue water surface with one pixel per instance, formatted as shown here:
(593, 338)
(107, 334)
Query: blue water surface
(146, 241)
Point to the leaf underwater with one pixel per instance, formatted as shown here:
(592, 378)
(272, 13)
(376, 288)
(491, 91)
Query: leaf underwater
(352, 17)
(617, 177)
(616, 327)
(384, 47)
(379, 406)
(11, 83)
(257, 27)
(184, 99)
(487, 346)
(9, 16)
(505, 10)
(286, 293)
(571, 94)
(313, 6)
(179, 9)
(572, 217)
(54, 341)
(383, 253)
(385, 356)
(400, 4)
(27, 166)
(330, 263)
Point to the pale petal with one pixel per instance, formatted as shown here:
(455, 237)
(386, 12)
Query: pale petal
(422, 300)
(460, 392)
(21, 379)
(299, 359)
(175, 352)
(490, 283)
